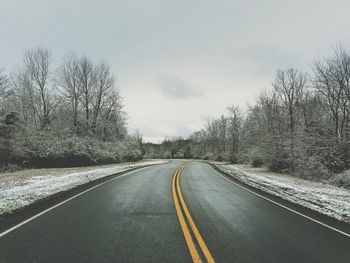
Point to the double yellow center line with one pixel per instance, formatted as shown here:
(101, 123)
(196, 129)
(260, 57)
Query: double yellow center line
(185, 220)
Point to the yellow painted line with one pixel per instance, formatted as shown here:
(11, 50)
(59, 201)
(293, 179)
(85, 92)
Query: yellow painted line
(195, 230)
(192, 248)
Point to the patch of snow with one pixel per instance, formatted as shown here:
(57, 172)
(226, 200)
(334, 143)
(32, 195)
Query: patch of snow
(324, 198)
(19, 193)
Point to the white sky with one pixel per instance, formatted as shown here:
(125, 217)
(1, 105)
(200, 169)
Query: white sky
(179, 62)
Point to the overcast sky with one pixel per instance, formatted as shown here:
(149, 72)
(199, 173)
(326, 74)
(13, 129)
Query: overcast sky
(179, 62)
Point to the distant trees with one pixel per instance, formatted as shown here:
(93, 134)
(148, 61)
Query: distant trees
(219, 140)
(69, 115)
(301, 125)
(235, 121)
(175, 148)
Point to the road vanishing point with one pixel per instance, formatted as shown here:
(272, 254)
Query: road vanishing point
(175, 212)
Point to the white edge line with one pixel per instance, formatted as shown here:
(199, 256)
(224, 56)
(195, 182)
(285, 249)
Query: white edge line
(285, 207)
(65, 201)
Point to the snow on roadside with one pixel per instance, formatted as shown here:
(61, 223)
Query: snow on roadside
(321, 197)
(20, 192)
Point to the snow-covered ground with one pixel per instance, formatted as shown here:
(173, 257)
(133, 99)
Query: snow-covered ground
(324, 198)
(25, 187)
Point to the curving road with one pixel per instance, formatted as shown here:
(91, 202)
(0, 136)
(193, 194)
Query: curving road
(133, 219)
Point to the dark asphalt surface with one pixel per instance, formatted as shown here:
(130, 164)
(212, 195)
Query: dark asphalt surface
(239, 226)
(133, 219)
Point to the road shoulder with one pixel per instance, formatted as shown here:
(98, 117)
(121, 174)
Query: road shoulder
(327, 220)
(15, 217)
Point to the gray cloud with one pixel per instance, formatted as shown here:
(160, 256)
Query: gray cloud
(260, 59)
(174, 86)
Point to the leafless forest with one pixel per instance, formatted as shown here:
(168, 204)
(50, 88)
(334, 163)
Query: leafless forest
(301, 125)
(69, 115)
(73, 115)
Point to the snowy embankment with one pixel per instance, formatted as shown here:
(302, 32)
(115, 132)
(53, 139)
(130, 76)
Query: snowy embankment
(28, 186)
(322, 197)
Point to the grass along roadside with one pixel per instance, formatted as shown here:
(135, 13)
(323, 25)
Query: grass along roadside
(21, 188)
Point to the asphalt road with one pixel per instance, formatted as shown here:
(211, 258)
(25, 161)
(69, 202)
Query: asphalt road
(133, 219)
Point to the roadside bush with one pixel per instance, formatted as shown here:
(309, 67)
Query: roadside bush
(219, 158)
(279, 164)
(167, 155)
(334, 156)
(243, 157)
(133, 156)
(256, 158)
(278, 157)
(44, 150)
(233, 158)
(257, 162)
(11, 149)
(334, 162)
(8, 152)
(342, 180)
(9, 168)
(209, 156)
(48, 151)
(251, 156)
(311, 168)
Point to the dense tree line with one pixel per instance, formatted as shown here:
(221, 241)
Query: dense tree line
(67, 115)
(301, 125)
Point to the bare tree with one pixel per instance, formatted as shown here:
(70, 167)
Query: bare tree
(222, 124)
(3, 83)
(332, 81)
(212, 130)
(25, 99)
(37, 63)
(87, 82)
(341, 76)
(104, 83)
(235, 121)
(113, 117)
(68, 78)
(289, 85)
(268, 128)
(4, 88)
